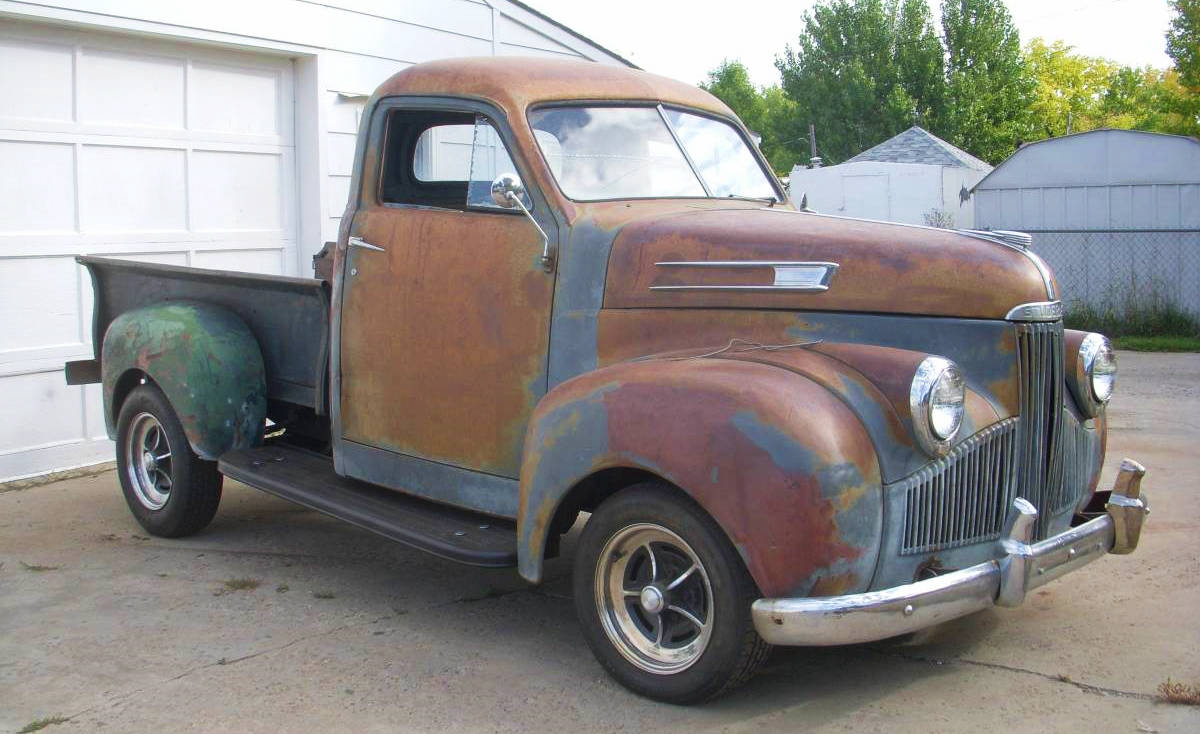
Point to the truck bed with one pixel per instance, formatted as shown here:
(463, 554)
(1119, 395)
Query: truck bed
(288, 316)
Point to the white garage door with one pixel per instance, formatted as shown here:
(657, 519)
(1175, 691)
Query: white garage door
(129, 148)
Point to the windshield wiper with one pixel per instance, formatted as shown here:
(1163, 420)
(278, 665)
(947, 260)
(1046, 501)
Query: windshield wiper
(768, 200)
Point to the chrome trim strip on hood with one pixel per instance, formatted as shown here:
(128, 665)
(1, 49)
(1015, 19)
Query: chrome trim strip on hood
(812, 277)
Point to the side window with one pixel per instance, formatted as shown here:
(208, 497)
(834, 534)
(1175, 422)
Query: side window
(442, 159)
(443, 153)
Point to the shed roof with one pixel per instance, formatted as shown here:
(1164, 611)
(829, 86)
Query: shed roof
(918, 145)
(1100, 157)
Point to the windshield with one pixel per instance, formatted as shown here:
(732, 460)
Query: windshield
(632, 153)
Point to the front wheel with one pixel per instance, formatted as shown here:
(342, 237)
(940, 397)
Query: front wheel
(170, 490)
(663, 598)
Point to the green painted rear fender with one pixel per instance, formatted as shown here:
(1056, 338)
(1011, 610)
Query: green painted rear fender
(205, 360)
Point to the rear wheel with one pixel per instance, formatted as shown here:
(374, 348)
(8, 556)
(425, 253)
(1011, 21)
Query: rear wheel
(170, 490)
(663, 598)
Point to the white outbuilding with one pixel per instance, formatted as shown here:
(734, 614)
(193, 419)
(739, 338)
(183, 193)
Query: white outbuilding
(913, 178)
(216, 134)
(1116, 213)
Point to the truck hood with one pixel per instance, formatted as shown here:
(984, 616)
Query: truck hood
(880, 268)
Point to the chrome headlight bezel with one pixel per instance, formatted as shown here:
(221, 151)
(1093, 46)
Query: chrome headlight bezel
(933, 373)
(1094, 360)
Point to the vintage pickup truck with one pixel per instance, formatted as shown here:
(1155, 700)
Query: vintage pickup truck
(564, 288)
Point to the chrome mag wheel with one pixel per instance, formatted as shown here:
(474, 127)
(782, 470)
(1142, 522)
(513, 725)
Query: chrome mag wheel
(148, 461)
(654, 598)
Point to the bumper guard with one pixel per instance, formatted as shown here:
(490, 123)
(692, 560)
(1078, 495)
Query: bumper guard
(877, 615)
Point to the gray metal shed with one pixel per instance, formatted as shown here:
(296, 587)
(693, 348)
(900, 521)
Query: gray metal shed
(1114, 212)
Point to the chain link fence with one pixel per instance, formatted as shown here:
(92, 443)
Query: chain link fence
(1106, 267)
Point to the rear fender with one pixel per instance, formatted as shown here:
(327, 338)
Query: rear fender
(204, 359)
(783, 465)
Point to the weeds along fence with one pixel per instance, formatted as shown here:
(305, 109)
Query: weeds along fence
(1113, 268)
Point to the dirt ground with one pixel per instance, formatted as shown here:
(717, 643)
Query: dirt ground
(115, 631)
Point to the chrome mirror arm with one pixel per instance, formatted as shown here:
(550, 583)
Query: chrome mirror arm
(507, 191)
(516, 201)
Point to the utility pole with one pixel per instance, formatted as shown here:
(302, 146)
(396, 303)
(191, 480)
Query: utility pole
(814, 160)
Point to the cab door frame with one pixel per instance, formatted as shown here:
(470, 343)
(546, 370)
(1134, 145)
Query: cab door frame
(475, 490)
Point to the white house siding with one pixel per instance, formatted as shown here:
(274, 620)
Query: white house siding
(1113, 212)
(216, 134)
(894, 192)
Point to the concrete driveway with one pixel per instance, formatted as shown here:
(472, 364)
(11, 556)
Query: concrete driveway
(116, 631)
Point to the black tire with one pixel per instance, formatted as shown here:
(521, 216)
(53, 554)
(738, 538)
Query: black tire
(172, 496)
(732, 650)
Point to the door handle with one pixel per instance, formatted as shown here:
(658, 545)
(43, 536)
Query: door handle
(360, 242)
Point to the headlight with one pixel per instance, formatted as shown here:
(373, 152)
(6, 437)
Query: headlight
(1095, 372)
(937, 399)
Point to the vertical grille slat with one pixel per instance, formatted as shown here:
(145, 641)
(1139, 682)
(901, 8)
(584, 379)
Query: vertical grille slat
(962, 497)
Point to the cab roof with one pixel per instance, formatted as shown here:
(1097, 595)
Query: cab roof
(514, 83)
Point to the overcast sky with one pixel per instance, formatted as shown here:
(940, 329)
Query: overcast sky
(687, 38)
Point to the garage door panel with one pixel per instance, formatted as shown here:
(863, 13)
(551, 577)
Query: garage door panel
(131, 89)
(94, 425)
(131, 148)
(36, 80)
(250, 261)
(232, 190)
(39, 303)
(235, 99)
(132, 189)
(40, 409)
(36, 187)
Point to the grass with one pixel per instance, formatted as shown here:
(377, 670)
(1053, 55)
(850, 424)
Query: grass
(42, 724)
(1146, 321)
(1158, 343)
(1173, 692)
(242, 584)
(282, 589)
(324, 594)
(36, 568)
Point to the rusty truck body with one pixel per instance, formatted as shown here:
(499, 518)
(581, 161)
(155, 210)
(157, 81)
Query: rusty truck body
(563, 289)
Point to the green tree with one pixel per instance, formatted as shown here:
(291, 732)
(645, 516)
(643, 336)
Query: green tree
(730, 83)
(989, 91)
(1070, 89)
(1183, 42)
(843, 76)
(767, 112)
(920, 63)
(1150, 99)
(781, 147)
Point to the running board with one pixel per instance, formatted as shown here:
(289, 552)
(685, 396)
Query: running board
(308, 479)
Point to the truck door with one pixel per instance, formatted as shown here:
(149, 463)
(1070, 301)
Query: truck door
(445, 313)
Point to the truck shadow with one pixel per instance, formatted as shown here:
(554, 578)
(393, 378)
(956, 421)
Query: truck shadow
(533, 629)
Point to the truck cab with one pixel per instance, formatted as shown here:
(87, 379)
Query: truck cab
(565, 290)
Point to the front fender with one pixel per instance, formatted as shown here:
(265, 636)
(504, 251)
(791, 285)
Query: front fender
(204, 359)
(783, 465)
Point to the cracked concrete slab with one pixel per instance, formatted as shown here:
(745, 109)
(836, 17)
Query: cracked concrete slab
(129, 633)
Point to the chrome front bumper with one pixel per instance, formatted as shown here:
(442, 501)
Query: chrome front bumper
(877, 615)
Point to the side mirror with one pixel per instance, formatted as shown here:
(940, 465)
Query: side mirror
(507, 192)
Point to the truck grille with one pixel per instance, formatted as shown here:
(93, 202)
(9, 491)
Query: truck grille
(1040, 436)
(1078, 464)
(962, 498)
(1046, 456)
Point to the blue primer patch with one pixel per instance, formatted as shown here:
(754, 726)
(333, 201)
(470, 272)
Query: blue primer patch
(578, 297)
(782, 448)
